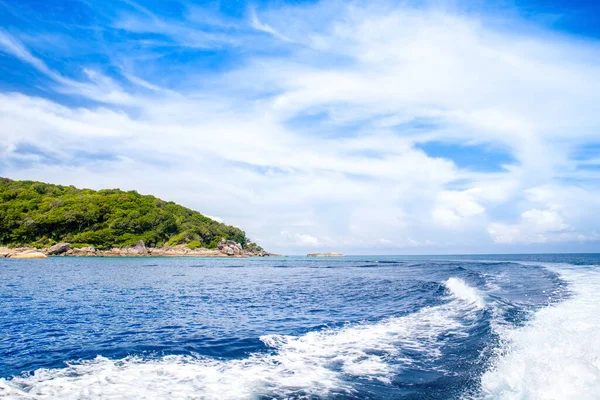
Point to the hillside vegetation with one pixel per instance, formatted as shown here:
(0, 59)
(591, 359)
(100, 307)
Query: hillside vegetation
(40, 214)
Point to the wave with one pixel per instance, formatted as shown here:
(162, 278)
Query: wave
(557, 354)
(462, 291)
(316, 364)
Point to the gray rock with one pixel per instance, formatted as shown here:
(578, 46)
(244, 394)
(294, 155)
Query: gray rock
(230, 247)
(84, 251)
(140, 248)
(59, 248)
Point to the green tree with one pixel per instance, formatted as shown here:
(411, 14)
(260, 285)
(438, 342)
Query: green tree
(40, 214)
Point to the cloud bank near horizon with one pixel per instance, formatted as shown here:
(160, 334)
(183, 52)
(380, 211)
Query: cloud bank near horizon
(364, 127)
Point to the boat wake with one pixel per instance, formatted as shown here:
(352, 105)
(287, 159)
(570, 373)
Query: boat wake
(557, 354)
(316, 364)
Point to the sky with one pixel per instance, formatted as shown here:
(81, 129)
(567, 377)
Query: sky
(363, 127)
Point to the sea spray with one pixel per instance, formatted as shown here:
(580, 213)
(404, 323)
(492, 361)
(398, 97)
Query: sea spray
(556, 355)
(464, 292)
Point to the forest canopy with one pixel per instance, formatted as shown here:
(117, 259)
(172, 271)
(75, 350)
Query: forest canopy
(40, 214)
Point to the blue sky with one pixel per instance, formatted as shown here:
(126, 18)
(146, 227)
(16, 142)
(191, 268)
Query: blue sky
(367, 127)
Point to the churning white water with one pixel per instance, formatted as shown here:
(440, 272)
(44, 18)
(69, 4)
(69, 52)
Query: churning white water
(315, 364)
(557, 354)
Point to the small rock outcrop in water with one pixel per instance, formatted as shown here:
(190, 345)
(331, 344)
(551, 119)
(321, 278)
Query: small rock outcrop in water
(59, 248)
(324, 255)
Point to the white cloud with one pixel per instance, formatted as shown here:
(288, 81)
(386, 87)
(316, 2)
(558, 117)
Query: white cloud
(12, 46)
(455, 208)
(256, 24)
(536, 226)
(544, 221)
(99, 87)
(446, 217)
(300, 239)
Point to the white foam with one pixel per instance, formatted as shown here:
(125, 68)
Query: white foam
(557, 354)
(462, 291)
(315, 364)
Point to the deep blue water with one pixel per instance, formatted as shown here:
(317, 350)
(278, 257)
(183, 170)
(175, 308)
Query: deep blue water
(444, 327)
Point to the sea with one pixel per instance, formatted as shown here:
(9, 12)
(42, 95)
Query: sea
(361, 327)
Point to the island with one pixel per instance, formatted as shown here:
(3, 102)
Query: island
(39, 219)
(324, 255)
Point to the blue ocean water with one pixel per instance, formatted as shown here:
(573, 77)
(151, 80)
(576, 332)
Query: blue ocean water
(445, 327)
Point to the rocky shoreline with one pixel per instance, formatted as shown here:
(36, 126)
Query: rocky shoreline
(225, 248)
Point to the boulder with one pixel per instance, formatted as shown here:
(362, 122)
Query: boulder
(83, 251)
(230, 248)
(59, 248)
(234, 249)
(35, 254)
(138, 249)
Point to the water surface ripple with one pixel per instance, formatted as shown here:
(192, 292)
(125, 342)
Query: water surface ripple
(298, 328)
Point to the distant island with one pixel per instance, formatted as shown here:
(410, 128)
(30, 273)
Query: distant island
(39, 219)
(324, 255)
